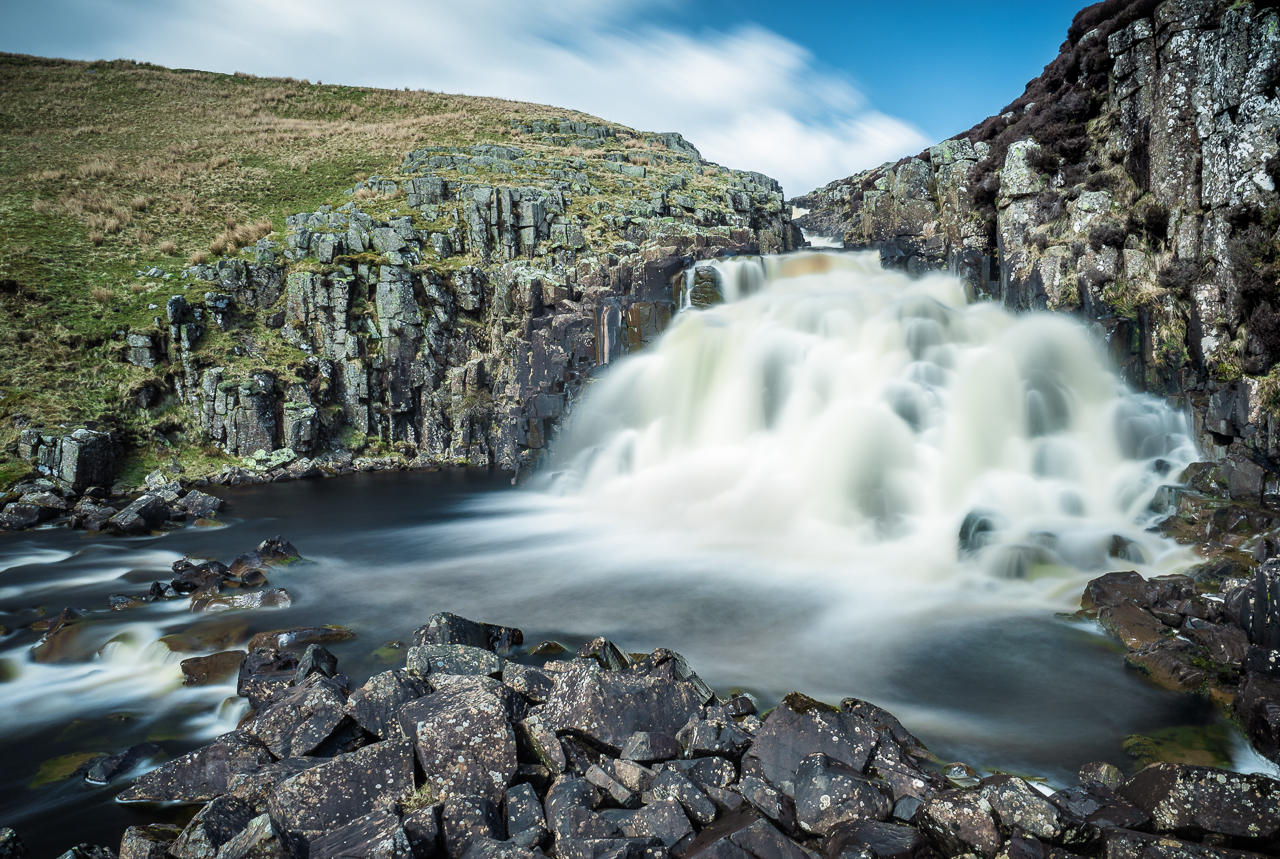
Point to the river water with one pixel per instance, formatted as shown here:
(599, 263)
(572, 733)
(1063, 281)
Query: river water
(776, 489)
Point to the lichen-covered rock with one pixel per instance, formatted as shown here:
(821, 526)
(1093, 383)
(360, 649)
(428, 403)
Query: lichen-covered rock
(374, 705)
(445, 628)
(464, 740)
(296, 723)
(1019, 806)
(457, 659)
(1127, 844)
(11, 846)
(142, 515)
(201, 775)
(346, 788)
(1196, 801)
(883, 840)
(146, 842)
(465, 818)
(801, 726)
(828, 792)
(751, 840)
(958, 822)
(213, 826)
(375, 836)
(260, 839)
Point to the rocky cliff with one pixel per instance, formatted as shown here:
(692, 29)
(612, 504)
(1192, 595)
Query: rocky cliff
(1133, 184)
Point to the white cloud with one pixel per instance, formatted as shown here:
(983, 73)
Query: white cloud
(748, 98)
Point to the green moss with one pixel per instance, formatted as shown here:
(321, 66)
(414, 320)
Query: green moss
(1199, 745)
(59, 768)
(801, 703)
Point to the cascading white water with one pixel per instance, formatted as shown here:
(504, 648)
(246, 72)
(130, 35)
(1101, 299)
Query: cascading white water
(830, 407)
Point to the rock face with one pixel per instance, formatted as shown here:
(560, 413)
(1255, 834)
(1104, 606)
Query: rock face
(1133, 184)
(458, 766)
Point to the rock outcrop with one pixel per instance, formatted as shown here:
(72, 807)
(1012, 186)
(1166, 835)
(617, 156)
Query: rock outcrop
(1132, 184)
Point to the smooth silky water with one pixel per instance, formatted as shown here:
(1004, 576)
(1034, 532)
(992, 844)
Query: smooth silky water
(840, 481)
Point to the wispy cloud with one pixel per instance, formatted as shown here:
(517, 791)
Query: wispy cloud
(747, 98)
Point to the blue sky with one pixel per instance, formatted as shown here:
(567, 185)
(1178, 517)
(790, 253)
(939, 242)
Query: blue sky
(806, 92)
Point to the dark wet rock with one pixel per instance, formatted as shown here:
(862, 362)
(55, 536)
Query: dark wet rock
(713, 733)
(89, 851)
(1258, 706)
(746, 840)
(663, 657)
(899, 771)
(905, 809)
(201, 775)
(261, 839)
(672, 784)
(214, 668)
(570, 807)
(457, 659)
(142, 515)
(635, 777)
(19, 517)
(1102, 773)
(610, 787)
(1134, 626)
(706, 772)
(374, 705)
(647, 747)
(316, 660)
(1194, 801)
(1171, 664)
(663, 819)
(146, 842)
(742, 704)
(60, 634)
(1126, 844)
(265, 672)
(487, 848)
(11, 846)
(108, 767)
(465, 818)
(1017, 805)
(884, 721)
(293, 639)
(346, 788)
(422, 827)
(1261, 661)
(610, 848)
(200, 505)
(1226, 645)
(464, 739)
(530, 682)
(884, 840)
(769, 801)
(190, 577)
(213, 826)
(375, 836)
(801, 726)
(1255, 607)
(1088, 811)
(958, 822)
(828, 792)
(526, 822)
(297, 722)
(273, 552)
(606, 654)
(445, 628)
(274, 598)
(255, 788)
(607, 707)
(123, 602)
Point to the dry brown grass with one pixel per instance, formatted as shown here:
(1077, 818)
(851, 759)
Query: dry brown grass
(644, 160)
(102, 295)
(98, 167)
(43, 207)
(198, 258)
(113, 226)
(137, 288)
(51, 175)
(140, 203)
(167, 248)
(144, 237)
(97, 239)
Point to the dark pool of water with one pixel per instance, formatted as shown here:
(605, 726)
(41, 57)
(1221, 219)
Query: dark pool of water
(1026, 692)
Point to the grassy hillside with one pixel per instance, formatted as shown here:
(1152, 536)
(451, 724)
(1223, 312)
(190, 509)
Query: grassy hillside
(111, 169)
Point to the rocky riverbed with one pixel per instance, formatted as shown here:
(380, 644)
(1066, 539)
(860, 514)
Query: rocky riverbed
(481, 746)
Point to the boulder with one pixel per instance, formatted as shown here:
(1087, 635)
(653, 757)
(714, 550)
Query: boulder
(1101, 773)
(464, 740)
(264, 673)
(1088, 811)
(375, 836)
(1019, 806)
(292, 639)
(533, 684)
(1258, 706)
(446, 628)
(1126, 844)
(828, 792)
(345, 789)
(201, 775)
(255, 788)
(526, 822)
(756, 839)
(272, 552)
(1133, 625)
(801, 726)
(605, 653)
(610, 787)
(465, 818)
(958, 822)
(647, 747)
(457, 659)
(214, 668)
(570, 807)
(1195, 801)
(422, 827)
(146, 842)
(11, 846)
(298, 722)
(316, 660)
(607, 707)
(261, 839)
(884, 840)
(142, 515)
(713, 733)
(274, 598)
(214, 825)
(672, 784)
(374, 705)
(200, 505)
(108, 767)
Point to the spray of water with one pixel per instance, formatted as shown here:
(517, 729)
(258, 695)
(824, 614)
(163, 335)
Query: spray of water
(834, 410)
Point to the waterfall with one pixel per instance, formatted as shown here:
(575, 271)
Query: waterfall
(829, 406)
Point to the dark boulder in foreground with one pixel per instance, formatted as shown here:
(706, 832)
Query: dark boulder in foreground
(606, 755)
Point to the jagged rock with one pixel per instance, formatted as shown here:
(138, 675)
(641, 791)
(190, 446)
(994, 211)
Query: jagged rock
(465, 818)
(255, 788)
(526, 822)
(611, 788)
(108, 767)
(543, 743)
(1019, 806)
(422, 826)
(607, 654)
(715, 733)
(455, 659)
(647, 747)
(530, 682)
(144, 514)
(316, 660)
(373, 706)
(1102, 773)
(672, 784)
(884, 840)
(263, 673)
(259, 840)
(609, 706)
(213, 826)
(959, 822)
(445, 628)
(274, 598)
(269, 553)
(750, 839)
(1086, 812)
(146, 842)
(801, 726)
(663, 819)
(200, 505)
(298, 722)
(345, 789)
(464, 740)
(633, 776)
(11, 846)
(201, 775)
(375, 836)
(1126, 844)
(1258, 706)
(769, 801)
(89, 851)
(214, 668)
(828, 792)
(570, 808)
(1196, 801)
